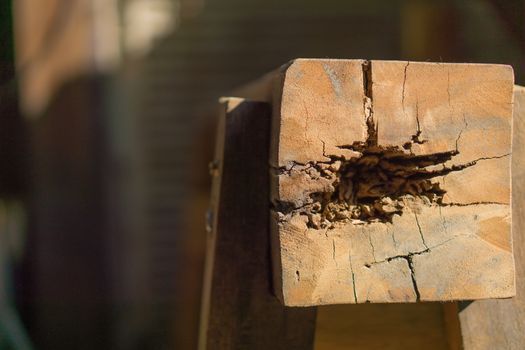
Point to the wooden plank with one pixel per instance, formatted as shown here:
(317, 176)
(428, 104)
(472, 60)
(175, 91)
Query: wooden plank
(452, 326)
(376, 193)
(381, 326)
(239, 310)
(500, 324)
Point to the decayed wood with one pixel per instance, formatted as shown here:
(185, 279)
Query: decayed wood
(239, 309)
(391, 182)
(500, 324)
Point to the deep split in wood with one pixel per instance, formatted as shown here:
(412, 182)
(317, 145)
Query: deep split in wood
(471, 126)
(391, 182)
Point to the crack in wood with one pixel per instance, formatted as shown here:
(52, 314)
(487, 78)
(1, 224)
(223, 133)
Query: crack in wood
(353, 277)
(383, 200)
(420, 231)
(413, 277)
(375, 185)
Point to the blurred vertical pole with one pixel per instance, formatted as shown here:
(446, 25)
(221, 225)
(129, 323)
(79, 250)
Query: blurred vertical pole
(66, 50)
(11, 126)
(12, 187)
(512, 14)
(12, 331)
(429, 31)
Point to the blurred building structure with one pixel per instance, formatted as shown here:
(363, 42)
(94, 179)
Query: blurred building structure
(119, 98)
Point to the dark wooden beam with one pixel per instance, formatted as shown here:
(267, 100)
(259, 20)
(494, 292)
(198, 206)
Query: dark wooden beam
(239, 309)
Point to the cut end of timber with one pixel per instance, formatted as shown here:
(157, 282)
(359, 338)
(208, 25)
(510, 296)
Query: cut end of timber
(391, 182)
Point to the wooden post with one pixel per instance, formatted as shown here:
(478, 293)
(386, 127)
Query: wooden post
(239, 310)
(440, 134)
(500, 324)
(391, 182)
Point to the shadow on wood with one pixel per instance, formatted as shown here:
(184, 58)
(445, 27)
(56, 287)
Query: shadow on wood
(239, 309)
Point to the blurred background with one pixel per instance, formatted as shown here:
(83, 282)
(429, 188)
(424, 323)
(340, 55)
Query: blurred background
(107, 112)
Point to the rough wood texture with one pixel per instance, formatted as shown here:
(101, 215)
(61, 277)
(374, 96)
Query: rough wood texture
(391, 182)
(499, 324)
(239, 310)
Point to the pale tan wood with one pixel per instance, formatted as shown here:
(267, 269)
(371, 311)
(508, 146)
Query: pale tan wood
(500, 324)
(443, 234)
(461, 106)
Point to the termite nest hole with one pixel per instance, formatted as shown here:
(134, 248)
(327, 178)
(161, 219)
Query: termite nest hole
(372, 187)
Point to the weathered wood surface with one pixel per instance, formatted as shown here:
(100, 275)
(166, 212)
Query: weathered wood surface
(391, 182)
(500, 324)
(239, 309)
